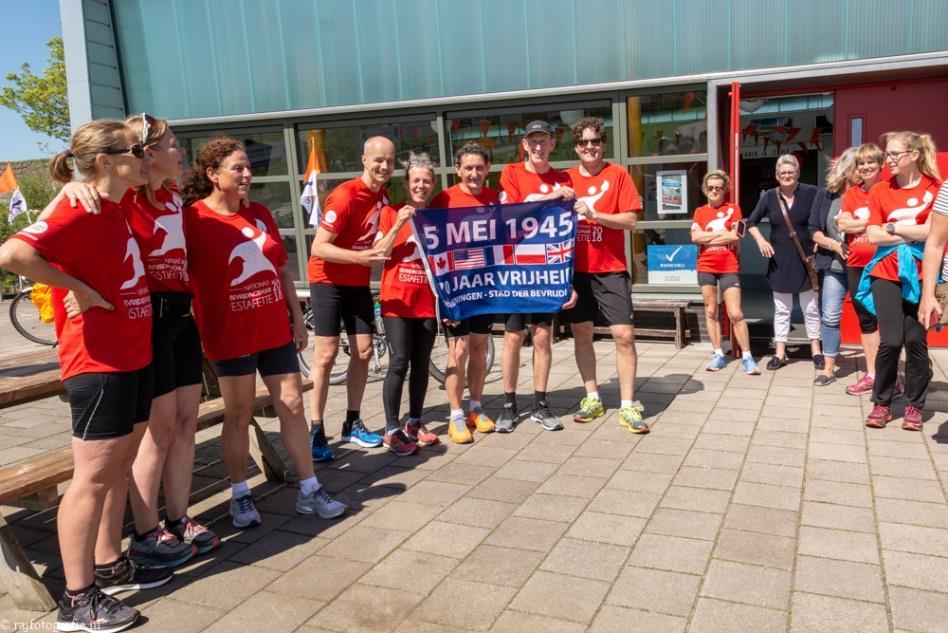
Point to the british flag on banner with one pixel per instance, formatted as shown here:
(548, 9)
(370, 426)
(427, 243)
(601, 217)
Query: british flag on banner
(559, 253)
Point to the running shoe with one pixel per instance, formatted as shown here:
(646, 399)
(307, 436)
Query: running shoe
(631, 418)
(459, 432)
(322, 452)
(320, 503)
(879, 417)
(543, 416)
(243, 512)
(125, 575)
(358, 434)
(589, 409)
(479, 420)
(190, 531)
(861, 387)
(507, 419)
(913, 419)
(750, 367)
(160, 548)
(399, 443)
(420, 435)
(96, 611)
(717, 363)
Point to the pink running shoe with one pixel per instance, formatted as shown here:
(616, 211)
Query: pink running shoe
(421, 435)
(861, 387)
(399, 443)
(913, 419)
(879, 417)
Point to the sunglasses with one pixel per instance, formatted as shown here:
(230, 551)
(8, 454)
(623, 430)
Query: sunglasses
(715, 188)
(588, 141)
(137, 150)
(148, 122)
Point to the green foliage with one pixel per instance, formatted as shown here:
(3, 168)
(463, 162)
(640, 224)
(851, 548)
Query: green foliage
(7, 279)
(41, 99)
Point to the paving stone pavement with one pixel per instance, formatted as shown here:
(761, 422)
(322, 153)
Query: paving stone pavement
(756, 504)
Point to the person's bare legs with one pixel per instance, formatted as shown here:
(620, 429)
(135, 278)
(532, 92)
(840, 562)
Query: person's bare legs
(99, 465)
(710, 296)
(108, 543)
(150, 460)
(179, 464)
(585, 354)
(358, 369)
(732, 303)
(477, 365)
(510, 360)
(542, 337)
(240, 395)
(454, 374)
(286, 392)
(623, 336)
(325, 350)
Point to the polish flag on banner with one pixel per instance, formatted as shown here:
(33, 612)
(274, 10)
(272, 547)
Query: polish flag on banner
(503, 255)
(530, 253)
(442, 263)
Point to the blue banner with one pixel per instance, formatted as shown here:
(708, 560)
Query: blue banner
(499, 259)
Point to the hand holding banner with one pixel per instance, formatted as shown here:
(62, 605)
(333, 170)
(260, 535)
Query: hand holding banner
(500, 259)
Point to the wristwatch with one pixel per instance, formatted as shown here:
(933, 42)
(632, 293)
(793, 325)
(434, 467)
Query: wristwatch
(890, 228)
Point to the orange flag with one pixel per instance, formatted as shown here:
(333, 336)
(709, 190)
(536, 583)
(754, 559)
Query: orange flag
(7, 181)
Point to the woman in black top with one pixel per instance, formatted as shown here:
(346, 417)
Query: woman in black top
(786, 273)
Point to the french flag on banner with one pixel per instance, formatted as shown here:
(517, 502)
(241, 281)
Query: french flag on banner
(528, 254)
(503, 255)
(441, 263)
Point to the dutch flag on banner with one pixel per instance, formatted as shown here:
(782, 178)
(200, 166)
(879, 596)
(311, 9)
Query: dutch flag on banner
(441, 263)
(503, 255)
(530, 254)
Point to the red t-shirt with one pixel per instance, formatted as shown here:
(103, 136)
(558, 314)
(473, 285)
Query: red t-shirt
(234, 263)
(856, 204)
(720, 259)
(405, 289)
(101, 251)
(600, 249)
(455, 198)
(352, 214)
(520, 185)
(160, 234)
(888, 202)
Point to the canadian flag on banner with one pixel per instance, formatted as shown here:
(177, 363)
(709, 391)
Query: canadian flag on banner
(442, 263)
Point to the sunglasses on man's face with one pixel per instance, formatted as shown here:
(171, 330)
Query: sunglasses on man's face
(137, 150)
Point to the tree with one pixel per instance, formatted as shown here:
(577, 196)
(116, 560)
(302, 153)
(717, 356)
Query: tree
(41, 99)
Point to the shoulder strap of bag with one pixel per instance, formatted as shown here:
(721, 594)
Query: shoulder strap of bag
(784, 210)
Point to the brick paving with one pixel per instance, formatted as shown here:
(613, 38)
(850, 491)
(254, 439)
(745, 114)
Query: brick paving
(757, 504)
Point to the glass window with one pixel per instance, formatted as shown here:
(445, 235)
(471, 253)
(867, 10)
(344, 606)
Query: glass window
(276, 197)
(340, 148)
(292, 263)
(501, 133)
(668, 124)
(643, 238)
(266, 150)
(645, 178)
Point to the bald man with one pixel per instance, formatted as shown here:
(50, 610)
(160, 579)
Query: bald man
(340, 264)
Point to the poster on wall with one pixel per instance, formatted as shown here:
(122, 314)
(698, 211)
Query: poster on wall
(673, 264)
(672, 190)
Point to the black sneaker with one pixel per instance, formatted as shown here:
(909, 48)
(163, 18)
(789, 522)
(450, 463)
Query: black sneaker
(125, 575)
(95, 611)
(543, 416)
(507, 419)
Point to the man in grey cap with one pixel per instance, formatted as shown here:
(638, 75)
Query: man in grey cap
(531, 181)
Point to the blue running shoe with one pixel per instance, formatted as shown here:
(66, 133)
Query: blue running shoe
(717, 363)
(322, 452)
(358, 434)
(750, 367)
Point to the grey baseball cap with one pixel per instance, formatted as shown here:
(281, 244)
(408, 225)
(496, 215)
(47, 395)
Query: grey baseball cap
(538, 126)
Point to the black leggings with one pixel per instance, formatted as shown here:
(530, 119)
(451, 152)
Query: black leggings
(898, 327)
(867, 320)
(411, 341)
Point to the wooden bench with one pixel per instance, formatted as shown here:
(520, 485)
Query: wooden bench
(676, 306)
(29, 376)
(34, 484)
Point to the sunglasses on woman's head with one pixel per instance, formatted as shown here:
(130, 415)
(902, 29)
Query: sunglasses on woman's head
(148, 122)
(137, 150)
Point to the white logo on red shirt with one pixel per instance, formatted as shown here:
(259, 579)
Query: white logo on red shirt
(251, 254)
(909, 214)
(36, 228)
(594, 197)
(171, 224)
(720, 222)
(138, 268)
(862, 213)
(373, 226)
(544, 191)
(330, 217)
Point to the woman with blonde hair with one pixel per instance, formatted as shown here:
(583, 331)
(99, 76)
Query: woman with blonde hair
(714, 230)
(104, 333)
(831, 256)
(899, 220)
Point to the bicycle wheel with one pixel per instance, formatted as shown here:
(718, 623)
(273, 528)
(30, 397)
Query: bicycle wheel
(439, 361)
(26, 320)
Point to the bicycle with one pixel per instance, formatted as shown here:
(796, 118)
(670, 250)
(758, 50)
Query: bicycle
(26, 320)
(381, 349)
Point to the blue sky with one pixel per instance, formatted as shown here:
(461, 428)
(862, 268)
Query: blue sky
(27, 26)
